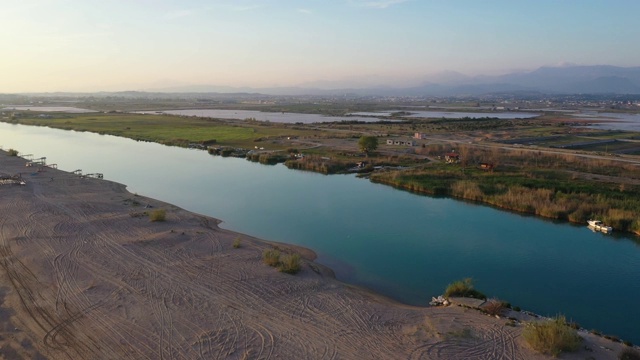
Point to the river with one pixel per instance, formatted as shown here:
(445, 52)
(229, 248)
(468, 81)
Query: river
(405, 246)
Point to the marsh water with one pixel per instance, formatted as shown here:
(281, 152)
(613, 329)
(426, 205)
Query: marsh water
(432, 114)
(66, 109)
(405, 246)
(612, 121)
(279, 117)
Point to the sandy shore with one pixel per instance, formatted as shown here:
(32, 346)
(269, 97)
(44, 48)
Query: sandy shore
(85, 275)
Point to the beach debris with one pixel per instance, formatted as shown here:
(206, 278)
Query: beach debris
(439, 301)
(12, 180)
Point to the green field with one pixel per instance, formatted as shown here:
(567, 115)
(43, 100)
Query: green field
(167, 129)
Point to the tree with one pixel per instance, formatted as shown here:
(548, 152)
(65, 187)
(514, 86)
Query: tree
(368, 143)
(463, 150)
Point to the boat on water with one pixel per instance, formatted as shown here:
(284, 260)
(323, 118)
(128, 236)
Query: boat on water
(598, 225)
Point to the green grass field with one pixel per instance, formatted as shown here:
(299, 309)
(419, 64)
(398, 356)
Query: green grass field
(167, 129)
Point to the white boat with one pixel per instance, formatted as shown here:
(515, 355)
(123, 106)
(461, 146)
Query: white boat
(599, 226)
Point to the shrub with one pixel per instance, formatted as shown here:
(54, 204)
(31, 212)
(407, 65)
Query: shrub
(463, 288)
(494, 307)
(552, 336)
(612, 338)
(574, 325)
(236, 242)
(13, 152)
(158, 215)
(271, 257)
(289, 264)
(629, 354)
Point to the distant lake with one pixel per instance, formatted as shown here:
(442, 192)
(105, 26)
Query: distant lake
(67, 109)
(405, 246)
(453, 114)
(612, 121)
(278, 117)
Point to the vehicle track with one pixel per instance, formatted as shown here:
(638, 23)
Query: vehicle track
(94, 282)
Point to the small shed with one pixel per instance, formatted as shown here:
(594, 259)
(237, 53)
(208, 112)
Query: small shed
(452, 157)
(401, 142)
(420, 136)
(486, 166)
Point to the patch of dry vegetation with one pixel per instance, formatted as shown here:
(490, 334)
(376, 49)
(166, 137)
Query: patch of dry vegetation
(494, 307)
(552, 336)
(286, 263)
(463, 288)
(550, 190)
(158, 215)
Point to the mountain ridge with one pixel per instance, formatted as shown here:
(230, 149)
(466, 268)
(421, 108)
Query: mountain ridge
(567, 79)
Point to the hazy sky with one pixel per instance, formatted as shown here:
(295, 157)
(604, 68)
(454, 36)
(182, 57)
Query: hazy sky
(92, 45)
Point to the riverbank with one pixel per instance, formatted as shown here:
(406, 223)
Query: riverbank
(555, 183)
(552, 192)
(85, 274)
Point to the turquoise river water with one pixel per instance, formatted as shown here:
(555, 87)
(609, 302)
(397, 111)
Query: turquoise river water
(405, 246)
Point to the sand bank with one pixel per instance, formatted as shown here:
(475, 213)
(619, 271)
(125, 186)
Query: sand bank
(86, 275)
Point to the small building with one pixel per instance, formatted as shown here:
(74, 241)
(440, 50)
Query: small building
(401, 142)
(486, 166)
(420, 136)
(451, 158)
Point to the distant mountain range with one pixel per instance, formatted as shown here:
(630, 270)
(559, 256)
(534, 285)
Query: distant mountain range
(572, 79)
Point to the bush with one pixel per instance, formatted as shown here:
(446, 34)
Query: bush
(552, 336)
(612, 338)
(629, 354)
(271, 257)
(494, 307)
(236, 242)
(574, 325)
(289, 264)
(13, 152)
(463, 288)
(158, 215)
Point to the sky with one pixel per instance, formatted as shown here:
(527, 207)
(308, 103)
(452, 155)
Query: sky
(117, 45)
